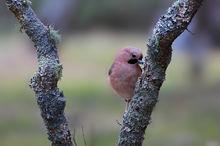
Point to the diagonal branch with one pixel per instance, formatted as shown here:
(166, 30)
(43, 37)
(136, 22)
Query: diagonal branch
(44, 83)
(167, 29)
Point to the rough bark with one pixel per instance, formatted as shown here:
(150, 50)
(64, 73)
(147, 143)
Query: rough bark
(167, 29)
(44, 83)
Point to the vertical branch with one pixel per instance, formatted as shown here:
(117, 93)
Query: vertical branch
(167, 29)
(50, 99)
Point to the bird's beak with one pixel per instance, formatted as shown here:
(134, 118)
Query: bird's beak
(141, 62)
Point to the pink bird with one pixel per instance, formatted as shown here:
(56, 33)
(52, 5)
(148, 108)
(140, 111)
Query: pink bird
(125, 72)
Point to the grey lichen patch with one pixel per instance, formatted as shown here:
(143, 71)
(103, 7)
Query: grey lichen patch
(34, 83)
(58, 71)
(27, 2)
(51, 66)
(54, 35)
(42, 60)
(47, 76)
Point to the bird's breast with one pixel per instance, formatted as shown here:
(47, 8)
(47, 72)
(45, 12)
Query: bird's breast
(123, 79)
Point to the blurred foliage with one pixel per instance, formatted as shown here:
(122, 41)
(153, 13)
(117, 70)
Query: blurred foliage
(117, 13)
(120, 14)
(186, 115)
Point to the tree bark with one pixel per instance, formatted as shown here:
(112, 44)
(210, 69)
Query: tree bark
(50, 99)
(167, 29)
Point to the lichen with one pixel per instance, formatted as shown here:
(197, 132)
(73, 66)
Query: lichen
(58, 71)
(54, 35)
(52, 66)
(27, 2)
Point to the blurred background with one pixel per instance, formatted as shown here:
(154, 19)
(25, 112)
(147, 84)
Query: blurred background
(93, 30)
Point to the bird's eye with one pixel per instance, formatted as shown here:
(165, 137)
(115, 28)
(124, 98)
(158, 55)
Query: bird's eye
(133, 56)
(140, 58)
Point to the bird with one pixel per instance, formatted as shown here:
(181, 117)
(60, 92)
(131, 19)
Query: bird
(125, 71)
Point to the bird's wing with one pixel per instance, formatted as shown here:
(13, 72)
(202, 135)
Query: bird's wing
(110, 70)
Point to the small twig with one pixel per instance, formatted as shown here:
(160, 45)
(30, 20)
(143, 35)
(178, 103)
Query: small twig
(83, 134)
(74, 137)
(189, 31)
(117, 121)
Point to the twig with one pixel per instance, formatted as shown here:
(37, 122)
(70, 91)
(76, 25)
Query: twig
(74, 136)
(118, 123)
(189, 31)
(83, 134)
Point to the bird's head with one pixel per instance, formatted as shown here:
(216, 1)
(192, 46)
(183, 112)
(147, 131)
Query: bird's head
(130, 55)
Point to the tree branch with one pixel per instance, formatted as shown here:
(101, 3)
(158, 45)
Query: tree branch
(44, 83)
(167, 29)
